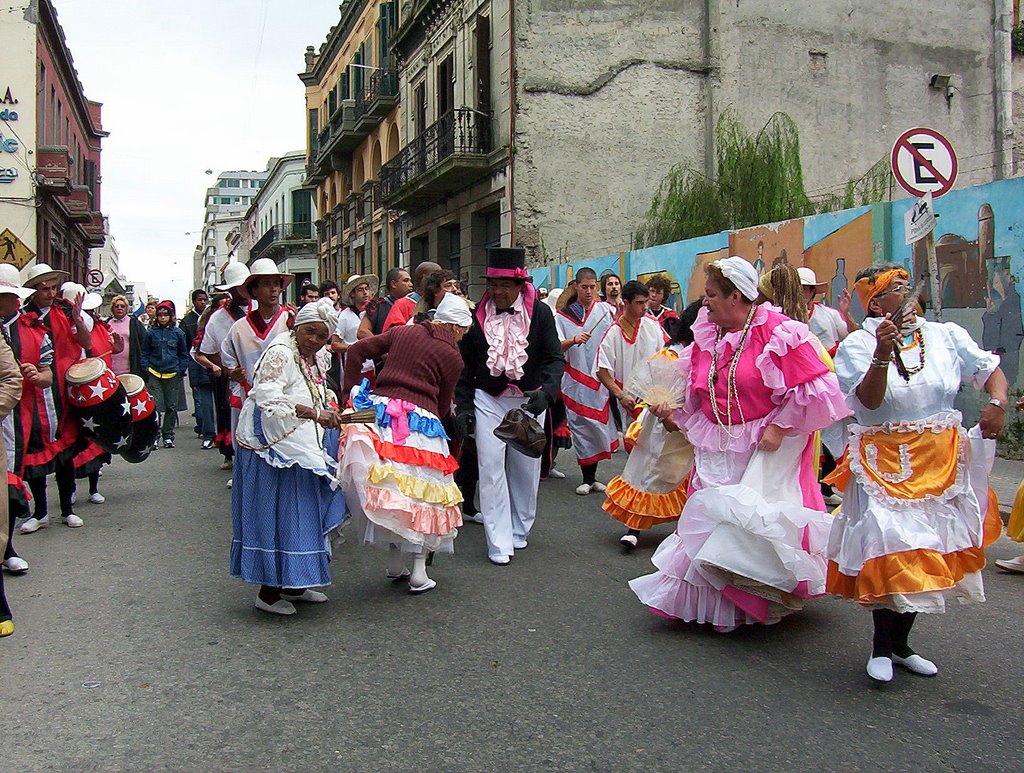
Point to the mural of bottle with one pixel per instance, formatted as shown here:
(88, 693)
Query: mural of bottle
(839, 281)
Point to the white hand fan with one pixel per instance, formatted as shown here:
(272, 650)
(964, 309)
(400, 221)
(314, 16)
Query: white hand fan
(657, 381)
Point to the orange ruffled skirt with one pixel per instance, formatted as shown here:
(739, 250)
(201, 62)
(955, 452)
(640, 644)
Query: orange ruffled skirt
(652, 487)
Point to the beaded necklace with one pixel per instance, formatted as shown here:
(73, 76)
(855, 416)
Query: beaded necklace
(731, 390)
(918, 340)
(313, 383)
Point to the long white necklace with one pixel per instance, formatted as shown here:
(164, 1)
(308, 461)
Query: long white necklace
(731, 390)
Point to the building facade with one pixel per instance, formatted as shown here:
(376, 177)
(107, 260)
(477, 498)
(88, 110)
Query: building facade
(353, 129)
(279, 223)
(50, 144)
(222, 237)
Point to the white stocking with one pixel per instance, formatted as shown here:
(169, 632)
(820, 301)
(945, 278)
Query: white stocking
(419, 570)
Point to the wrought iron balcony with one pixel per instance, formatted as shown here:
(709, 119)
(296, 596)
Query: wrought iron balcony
(376, 99)
(450, 154)
(280, 238)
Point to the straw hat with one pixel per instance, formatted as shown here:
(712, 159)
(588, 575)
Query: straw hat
(808, 278)
(92, 301)
(70, 291)
(42, 272)
(358, 279)
(10, 282)
(265, 267)
(235, 275)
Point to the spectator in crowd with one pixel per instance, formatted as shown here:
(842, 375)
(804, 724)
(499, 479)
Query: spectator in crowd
(308, 293)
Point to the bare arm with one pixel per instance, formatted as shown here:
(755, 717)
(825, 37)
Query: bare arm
(365, 329)
(871, 390)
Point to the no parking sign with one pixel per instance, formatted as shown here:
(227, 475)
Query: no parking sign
(923, 161)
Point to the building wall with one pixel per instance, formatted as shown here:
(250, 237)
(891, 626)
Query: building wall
(612, 93)
(17, 164)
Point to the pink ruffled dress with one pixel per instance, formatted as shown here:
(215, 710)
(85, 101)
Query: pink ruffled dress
(750, 544)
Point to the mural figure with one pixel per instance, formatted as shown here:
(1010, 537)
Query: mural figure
(1002, 325)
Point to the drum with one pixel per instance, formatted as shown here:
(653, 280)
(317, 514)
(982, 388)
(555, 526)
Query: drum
(145, 422)
(101, 402)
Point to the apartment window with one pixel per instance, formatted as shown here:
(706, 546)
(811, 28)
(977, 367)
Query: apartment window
(67, 132)
(60, 122)
(420, 100)
(446, 85)
(51, 132)
(483, 64)
(332, 102)
(232, 183)
(42, 102)
(313, 132)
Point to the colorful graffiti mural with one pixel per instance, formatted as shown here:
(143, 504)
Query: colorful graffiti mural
(979, 249)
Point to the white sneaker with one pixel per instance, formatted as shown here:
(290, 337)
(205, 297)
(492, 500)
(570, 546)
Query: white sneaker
(16, 565)
(629, 540)
(97, 498)
(1014, 565)
(583, 489)
(520, 544)
(34, 524)
(72, 521)
(556, 474)
(599, 487)
(230, 481)
(880, 669)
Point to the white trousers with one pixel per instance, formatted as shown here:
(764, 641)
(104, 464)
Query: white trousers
(508, 479)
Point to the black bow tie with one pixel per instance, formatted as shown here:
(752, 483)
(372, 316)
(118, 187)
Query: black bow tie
(509, 310)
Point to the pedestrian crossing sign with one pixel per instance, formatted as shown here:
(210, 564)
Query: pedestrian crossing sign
(13, 250)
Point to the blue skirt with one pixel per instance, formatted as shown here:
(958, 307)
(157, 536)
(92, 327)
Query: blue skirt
(280, 522)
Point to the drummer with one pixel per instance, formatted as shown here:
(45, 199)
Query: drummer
(70, 333)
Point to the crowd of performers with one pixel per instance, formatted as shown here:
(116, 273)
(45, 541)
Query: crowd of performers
(392, 407)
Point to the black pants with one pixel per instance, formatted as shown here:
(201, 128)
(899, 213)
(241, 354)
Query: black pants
(9, 551)
(828, 466)
(65, 475)
(222, 414)
(467, 476)
(5, 608)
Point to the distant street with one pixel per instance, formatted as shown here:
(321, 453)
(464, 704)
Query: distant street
(550, 663)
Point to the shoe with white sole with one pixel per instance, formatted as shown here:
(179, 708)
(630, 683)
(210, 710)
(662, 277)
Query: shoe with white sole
(428, 585)
(520, 544)
(474, 518)
(1012, 565)
(72, 521)
(598, 487)
(556, 474)
(583, 489)
(279, 607)
(74, 497)
(628, 540)
(880, 669)
(229, 483)
(227, 464)
(16, 565)
(309, 596)
(97, 498)
(916, 664)
(34, 524)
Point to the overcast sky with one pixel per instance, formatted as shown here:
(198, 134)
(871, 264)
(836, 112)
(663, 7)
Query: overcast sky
(187, 86)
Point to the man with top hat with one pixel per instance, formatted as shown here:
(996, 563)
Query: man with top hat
(513, 359)
(207, 352)
(250, 335)
(582, 323)
(355, 295)
(70, 332)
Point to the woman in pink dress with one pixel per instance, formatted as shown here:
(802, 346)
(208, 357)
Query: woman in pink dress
(750, 544)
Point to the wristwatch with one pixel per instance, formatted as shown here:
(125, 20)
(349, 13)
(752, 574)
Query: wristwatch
(997, 403)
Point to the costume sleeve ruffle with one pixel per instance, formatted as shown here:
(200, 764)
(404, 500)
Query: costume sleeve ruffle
(807, 393)
(976, 364)
(271, 379)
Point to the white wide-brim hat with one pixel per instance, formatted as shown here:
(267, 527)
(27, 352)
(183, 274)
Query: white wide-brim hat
(10, 282)
(42, 272)
(359, 279)
(808, 278)
(265, 267)
(70, 291)
(235, 274)
(92, 301)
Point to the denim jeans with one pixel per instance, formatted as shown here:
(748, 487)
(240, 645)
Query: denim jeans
(164, 392)
(203, 398)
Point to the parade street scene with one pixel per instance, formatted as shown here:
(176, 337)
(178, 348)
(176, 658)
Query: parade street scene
(472, 385)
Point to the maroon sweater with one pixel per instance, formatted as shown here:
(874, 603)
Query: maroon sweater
(422, 366)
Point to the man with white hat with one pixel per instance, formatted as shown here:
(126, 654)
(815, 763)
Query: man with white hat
(355, 295)
(829, 325)
(70, 333)
(249, 336)
(206, 351)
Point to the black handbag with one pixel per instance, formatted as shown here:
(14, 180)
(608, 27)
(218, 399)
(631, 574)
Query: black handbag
(521, 431)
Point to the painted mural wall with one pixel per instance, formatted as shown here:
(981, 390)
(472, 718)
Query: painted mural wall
(979, 248)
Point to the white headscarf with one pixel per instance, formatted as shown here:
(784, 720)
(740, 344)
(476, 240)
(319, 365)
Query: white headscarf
(453, 310)
(741, 273)
(322, 311)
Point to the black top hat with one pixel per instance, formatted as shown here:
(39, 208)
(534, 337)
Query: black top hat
(506, 263)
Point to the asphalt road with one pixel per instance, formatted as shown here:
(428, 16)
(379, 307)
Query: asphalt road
(548, 664)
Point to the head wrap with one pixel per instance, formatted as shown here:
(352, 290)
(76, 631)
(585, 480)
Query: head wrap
(871, 286)
(454, 311)
(741, 274)
(321, 311)
(764, 284)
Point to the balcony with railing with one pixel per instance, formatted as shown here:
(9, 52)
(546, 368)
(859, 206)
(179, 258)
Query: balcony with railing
(53, 168)
(450, 154)
(376, 99)
(336, 140)
(284, 239)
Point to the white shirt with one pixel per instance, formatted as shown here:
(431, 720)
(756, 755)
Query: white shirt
(828, 325)
(217, 327)
(620, 356)
(347, 330)
(243, 345)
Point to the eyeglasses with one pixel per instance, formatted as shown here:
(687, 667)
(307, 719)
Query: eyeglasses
(896, 288)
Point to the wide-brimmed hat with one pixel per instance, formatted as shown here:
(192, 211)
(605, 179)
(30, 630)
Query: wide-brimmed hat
(70, 291)
(358, 279)
(92, 301)
(808, 278)
(42, 272)
(265, 267)
(10, 282)
(506, 263)
(235, 274)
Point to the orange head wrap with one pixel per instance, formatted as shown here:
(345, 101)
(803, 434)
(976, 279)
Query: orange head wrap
(871, 286)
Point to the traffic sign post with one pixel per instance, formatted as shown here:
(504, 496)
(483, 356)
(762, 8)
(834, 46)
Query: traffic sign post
(94, 278)
(923, 161)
